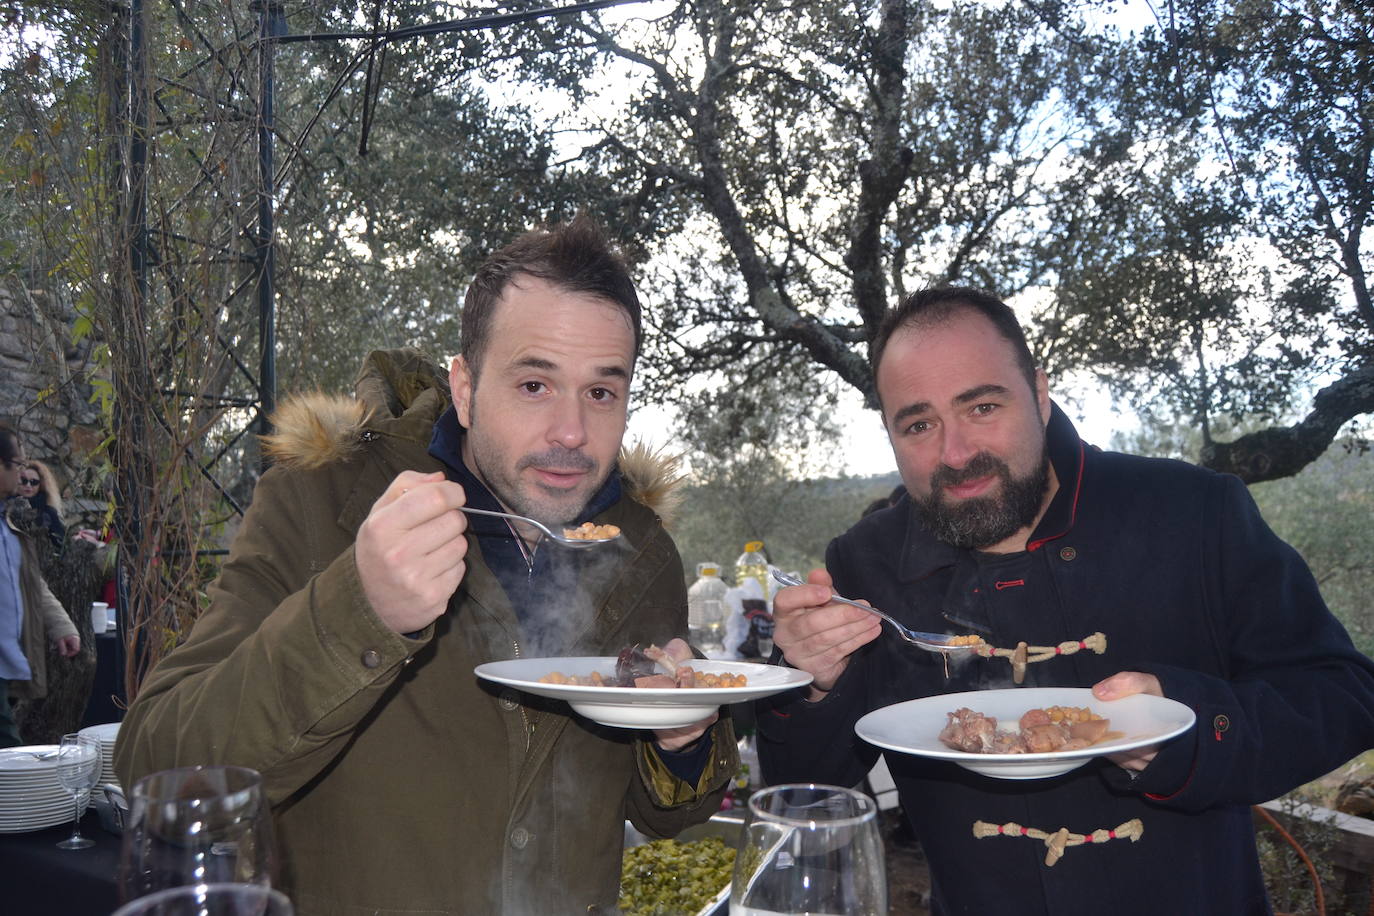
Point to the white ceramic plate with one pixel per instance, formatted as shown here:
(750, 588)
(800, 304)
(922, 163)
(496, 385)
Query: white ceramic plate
(638, 707)
(21, 762)
(30, 812)
(24, 823)
(34, 796)
(914, 727)
(106, 732)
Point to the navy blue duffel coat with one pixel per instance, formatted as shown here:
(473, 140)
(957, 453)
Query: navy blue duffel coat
(1174, 564)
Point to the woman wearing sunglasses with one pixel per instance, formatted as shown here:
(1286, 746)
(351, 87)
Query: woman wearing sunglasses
(38, 485)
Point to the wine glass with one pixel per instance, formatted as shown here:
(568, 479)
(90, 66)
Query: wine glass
(78, 770)
(809, 849)
(196, 825)
(210, 900)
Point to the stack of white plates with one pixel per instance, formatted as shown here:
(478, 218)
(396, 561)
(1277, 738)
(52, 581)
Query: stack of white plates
(31, 798)
(106, 734)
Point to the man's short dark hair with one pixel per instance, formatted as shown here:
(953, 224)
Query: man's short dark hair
(939, 304)
(574, 256)
(10, 445)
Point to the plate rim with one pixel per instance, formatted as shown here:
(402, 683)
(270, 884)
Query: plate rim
(669, 696)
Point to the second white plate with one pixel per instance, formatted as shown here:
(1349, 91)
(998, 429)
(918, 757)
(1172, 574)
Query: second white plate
(914, 727)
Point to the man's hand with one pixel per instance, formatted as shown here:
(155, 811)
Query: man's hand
(410, 550)
(818, 635)
(675, 739)
(68, 646)
(1125, 684)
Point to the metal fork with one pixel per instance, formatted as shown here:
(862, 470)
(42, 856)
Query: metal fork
(931, 642)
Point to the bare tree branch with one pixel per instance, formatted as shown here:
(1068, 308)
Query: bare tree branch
(1269, 454)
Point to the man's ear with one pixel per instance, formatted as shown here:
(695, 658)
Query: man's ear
(460, 388)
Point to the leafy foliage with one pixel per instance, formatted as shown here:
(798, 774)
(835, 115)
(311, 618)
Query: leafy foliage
(802, 516)
(1180, 211)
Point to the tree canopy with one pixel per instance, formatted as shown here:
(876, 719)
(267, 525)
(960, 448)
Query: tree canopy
(1177, 211)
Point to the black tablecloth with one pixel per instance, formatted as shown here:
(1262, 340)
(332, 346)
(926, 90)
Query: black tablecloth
(107, 689)
(38, 879)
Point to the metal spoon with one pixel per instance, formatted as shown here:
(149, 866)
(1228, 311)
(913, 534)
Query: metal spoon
(556, 538)
(931, 642)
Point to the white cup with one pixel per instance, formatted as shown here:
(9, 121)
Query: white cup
(100, 616)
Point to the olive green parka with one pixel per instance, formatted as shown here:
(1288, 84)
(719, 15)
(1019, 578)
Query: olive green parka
(45, 620)
(400, 782)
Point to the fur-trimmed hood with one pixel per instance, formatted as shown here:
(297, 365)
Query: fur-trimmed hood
(403, 393)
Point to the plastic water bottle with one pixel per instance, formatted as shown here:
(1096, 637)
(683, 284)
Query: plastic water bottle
(752, 564)
(706, 610)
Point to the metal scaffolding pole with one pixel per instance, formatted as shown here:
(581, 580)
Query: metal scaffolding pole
(271, 24)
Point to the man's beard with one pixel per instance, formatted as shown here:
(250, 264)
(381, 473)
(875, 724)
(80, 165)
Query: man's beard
(983, 521)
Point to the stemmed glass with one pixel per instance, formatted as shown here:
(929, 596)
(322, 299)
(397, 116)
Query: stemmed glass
(196, 825)
(210, 900)
(78, 770)
(809, 849)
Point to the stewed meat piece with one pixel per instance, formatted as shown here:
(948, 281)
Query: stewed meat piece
(970, 731)
(651, 667)
(1040, 731)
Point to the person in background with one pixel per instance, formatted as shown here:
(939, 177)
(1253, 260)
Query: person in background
(1017, 531)
(38, 485)
(884, 502)
(336, 655)
(29, 613)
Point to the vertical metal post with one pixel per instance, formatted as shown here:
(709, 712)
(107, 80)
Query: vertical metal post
(270, 23)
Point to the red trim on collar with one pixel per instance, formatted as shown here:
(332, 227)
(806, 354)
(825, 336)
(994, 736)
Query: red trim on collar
(1073, 506)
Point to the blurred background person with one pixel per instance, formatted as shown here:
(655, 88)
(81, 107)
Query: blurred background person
(28, 609)
(39, 486)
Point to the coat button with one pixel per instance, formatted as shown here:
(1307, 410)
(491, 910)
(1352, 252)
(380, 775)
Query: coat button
(1067, 553)
(371, 658)
(519, 837)
(508, 700)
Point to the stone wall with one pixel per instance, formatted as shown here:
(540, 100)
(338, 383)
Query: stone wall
(44, 388)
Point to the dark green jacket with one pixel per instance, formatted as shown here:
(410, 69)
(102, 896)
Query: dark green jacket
(402, 783)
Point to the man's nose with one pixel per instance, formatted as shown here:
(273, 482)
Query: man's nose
(956, 447)
(568, 425)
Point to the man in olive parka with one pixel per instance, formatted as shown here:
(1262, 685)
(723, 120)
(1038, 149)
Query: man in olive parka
(336, 656)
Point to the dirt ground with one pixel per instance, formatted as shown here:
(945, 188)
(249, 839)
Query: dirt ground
(908, 878)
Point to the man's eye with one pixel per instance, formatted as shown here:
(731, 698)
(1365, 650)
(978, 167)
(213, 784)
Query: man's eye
(532, 387)
(984, 409)
(601, 394)
(918, 427)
